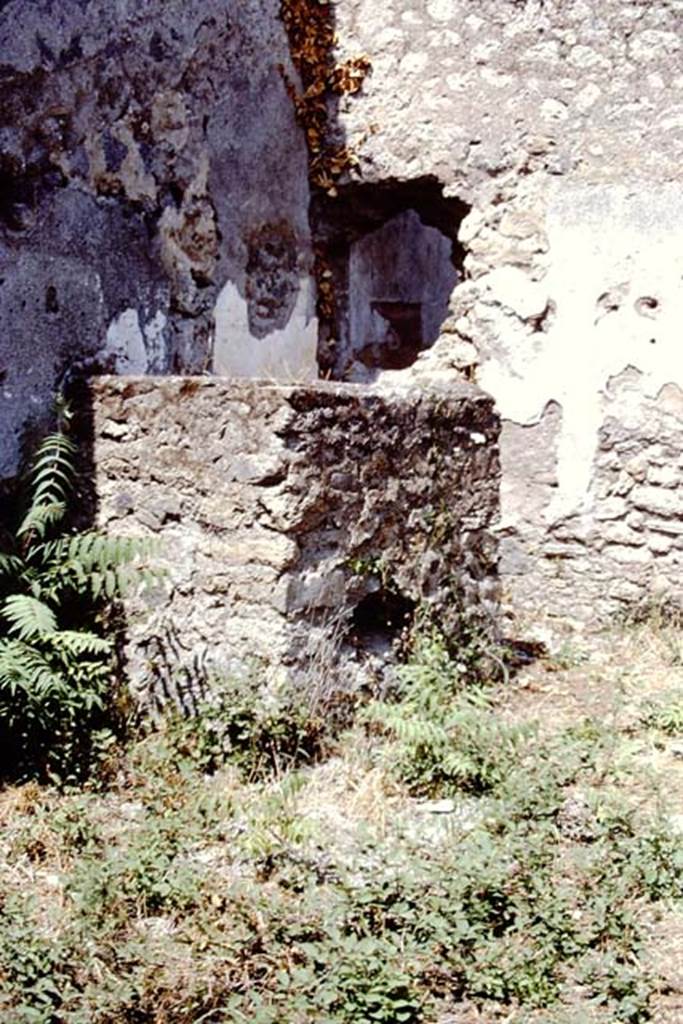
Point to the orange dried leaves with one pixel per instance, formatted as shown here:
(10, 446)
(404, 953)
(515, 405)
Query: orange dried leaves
(310, 27)
(312, 40)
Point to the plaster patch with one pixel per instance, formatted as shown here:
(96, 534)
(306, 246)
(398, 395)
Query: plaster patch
(286, 354)
(604, 241)
(126, 343)
(155, 342)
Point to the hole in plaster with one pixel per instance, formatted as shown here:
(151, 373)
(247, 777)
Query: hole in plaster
(611, 300)
(647, 306)
(176, 193)
(393, 255)
(542, 323)
(381, 617)
(16, 195)
(51, 302)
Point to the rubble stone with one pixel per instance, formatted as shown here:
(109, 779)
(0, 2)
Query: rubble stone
(349, 495)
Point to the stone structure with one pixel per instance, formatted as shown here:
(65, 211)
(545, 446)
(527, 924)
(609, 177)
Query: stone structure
(291, 515)
(522, 155)
(559, 123)
(153, 198)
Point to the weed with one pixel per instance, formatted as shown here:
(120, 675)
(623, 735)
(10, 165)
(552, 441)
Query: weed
(262, 732)
(664, 713)
(447, 736)
(57, 589)
(196, 889)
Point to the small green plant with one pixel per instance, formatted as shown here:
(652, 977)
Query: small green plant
(38, 970)
(664, 713)
(368, 565)
(447, 736)
(58, 589)
(263, 733)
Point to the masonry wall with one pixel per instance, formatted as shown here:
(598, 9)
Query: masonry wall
(153, 198)
(278, 510)
(154, 218)
(561, 123)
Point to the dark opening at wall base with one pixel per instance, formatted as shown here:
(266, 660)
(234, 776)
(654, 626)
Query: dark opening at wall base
(381, 618)
(393, 252)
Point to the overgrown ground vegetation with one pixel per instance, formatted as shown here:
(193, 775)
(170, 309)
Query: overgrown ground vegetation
(507, 851)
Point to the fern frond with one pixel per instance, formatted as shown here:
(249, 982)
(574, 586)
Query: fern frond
(52, 475)
(406, 727)
(417, 731)
(11, 565)
(53, 681)
(74, 642)
(25, 670)
(40, 517)
(96, 564)
(28, 617)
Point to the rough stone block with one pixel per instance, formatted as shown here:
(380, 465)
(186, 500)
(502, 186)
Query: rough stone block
(289, 514)
(658, 501)
(667, 475)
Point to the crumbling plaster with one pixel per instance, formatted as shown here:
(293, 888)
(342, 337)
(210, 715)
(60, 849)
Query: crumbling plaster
(290, 353)
(561, 123)
(615, 288)
(148, 154)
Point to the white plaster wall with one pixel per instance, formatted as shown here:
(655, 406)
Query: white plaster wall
(289, 354)
(137, 347)
(615, 279)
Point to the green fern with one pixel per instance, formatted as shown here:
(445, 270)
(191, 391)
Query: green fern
(57, 589)
(446, 738)
(27, 617)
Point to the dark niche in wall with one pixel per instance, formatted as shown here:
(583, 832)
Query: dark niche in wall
(402, 338)
(392, 252)
(381, 618)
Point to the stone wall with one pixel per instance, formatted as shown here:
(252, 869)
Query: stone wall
(289, 515)
(626, 543)
(153, 198)
(154, 218)
(560, 124)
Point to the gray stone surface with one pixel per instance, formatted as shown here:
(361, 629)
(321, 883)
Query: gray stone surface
(149, 160)
(473, 92)
(279, 510)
